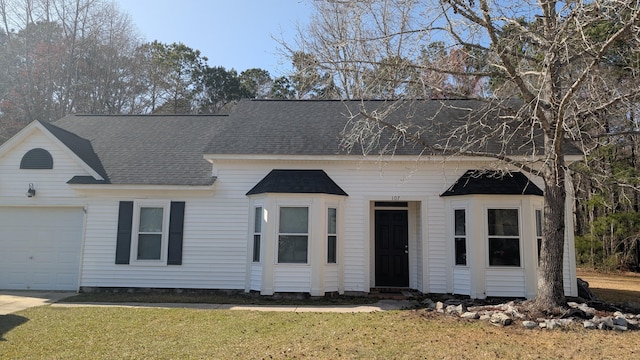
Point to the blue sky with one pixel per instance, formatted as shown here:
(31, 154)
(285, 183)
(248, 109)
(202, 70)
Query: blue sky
(231, 33)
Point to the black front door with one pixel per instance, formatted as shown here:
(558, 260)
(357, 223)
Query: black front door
(392, 248)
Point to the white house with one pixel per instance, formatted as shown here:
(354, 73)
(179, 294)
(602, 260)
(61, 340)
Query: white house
(261, 200)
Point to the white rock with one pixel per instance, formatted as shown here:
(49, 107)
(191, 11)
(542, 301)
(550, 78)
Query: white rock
(529, 324)
(589, 324)
(470, 315)
(501, 319)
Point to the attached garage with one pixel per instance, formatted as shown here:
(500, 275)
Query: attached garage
(40, 248)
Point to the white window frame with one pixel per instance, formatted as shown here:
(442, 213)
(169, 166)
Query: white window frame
(538, 236)
(488, 236)
(456, 236)
(279, 233)
(334, 234)
(164, 242)
(257, 233)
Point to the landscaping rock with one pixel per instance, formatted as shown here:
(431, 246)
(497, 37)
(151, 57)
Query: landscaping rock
(470, 315)
(529, 324)
(428, 303)
(550, 324)
(589, 324)
(500, 319)
(620, 321)
(620, 328)
(618, 317)
(453, 309)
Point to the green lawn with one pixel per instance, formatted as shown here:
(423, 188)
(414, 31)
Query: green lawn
(151, 333)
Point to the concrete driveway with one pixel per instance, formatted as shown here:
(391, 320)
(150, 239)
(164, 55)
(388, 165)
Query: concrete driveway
(14, 300)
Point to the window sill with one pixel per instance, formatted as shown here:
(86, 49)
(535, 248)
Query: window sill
(149, 263)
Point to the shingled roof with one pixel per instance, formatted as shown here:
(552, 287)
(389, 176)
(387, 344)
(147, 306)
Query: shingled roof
(170, 149)
(79, 146)
(142, 149)
(297, 182)
(314, 127)
(493, 183)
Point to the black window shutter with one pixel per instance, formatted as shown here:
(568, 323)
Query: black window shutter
(123, 242)
(176, 226)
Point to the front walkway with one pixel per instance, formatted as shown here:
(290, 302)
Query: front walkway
(16, 300)
(382, 305)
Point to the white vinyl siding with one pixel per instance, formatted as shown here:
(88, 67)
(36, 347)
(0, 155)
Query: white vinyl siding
(214, 253)
(292, 278)
(331, 278)
(505, 282)
(255, 281)
(461, 280)
(48, 183)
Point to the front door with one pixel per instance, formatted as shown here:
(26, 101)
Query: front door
(392, 248)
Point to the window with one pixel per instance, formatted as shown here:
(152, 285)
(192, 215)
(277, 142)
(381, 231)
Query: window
(257, 233)
(293, 235)
(539, 232)
(37, 159)
(460, 232)
(504, 237)
(150, 232)
(332, 235)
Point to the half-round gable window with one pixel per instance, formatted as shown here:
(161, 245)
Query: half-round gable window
(37, 159)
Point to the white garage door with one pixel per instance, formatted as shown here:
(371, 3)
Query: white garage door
(40, 248)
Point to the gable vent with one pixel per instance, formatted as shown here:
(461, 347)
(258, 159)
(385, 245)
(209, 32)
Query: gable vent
(37, 159)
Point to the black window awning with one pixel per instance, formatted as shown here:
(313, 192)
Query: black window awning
(297, 182)
(479, 182)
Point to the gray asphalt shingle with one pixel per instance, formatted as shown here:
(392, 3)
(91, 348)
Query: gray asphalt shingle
(169, 149)
(315, 127)
(475, 182)
(153, 150)
(297, 182)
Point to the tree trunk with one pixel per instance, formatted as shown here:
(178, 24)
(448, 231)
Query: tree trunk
(550, 292)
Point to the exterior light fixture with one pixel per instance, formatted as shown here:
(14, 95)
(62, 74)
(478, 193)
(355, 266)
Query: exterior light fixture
(31, 192)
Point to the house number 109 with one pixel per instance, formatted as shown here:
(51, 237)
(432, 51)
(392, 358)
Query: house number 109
(395, 198)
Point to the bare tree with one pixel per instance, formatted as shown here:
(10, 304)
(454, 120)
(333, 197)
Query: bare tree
(550, 69)
(62, 56)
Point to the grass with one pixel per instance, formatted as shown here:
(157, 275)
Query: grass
(151, 333)
(144, 333)
(616, 288)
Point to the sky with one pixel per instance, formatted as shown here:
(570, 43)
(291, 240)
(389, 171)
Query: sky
(235, 34)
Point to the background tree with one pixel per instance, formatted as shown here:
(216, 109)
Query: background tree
(172, 73)
(282, 89)
(60, 56)
(544, 53)
(256, 83)
(219, 88)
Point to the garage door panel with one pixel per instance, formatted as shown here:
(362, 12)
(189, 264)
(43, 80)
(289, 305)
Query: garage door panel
(16, 279)
(40, 248)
